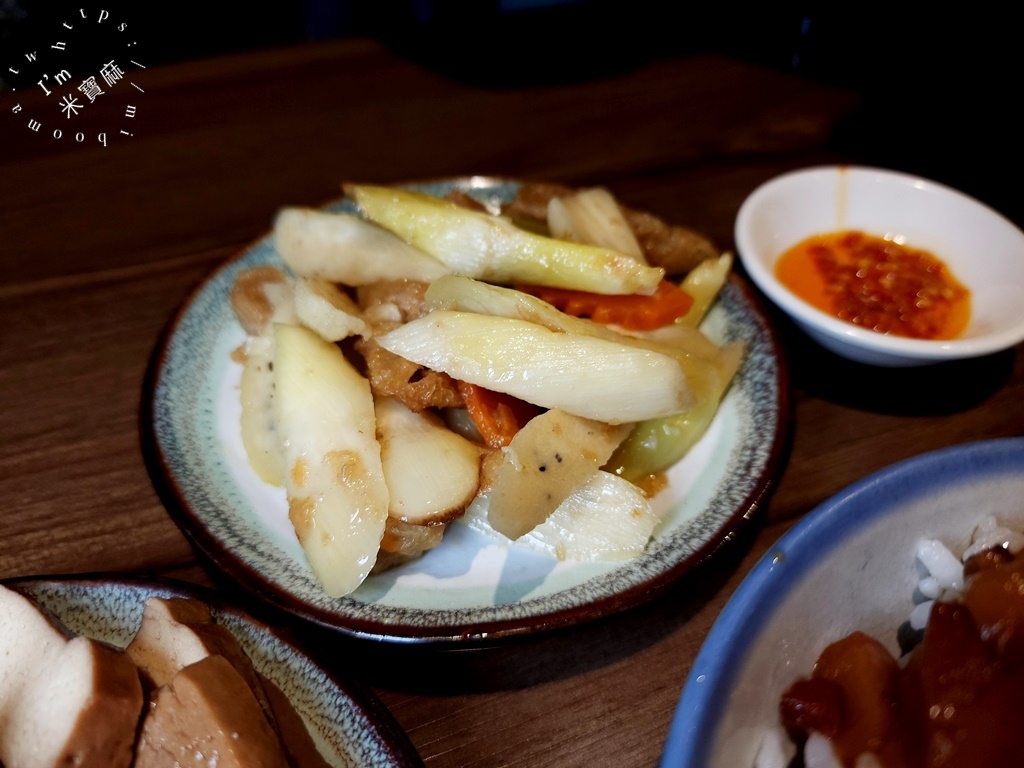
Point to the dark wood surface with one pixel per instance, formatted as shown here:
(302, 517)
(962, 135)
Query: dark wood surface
(101, 244)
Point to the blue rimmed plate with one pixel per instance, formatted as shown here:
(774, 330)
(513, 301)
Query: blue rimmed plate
(470, 590)
(350, 726)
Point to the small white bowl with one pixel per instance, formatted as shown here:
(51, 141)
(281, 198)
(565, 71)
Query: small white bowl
(849, 565)
(983, 250)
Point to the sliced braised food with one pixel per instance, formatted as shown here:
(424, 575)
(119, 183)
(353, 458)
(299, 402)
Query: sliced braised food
(31, 642)
(64, 700)
(183, 693)
(82, 710)
(207, 715)
(177, 632)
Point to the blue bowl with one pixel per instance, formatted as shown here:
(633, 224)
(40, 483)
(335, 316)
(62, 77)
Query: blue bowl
(849, 564)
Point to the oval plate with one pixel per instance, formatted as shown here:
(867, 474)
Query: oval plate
(350, 726)
(470, 590)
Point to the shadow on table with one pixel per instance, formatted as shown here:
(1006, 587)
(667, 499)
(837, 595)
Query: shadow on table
(929, 390)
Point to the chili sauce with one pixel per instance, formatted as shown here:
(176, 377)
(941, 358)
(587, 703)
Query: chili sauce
(877, 284)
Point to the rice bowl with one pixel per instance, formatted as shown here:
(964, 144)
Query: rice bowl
(851, 564)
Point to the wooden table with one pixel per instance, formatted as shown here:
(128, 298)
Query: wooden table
(100, 244)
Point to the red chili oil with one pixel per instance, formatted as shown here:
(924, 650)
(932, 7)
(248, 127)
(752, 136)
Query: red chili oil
(878, 284)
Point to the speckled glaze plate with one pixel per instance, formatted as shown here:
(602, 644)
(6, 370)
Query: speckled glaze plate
(351, 727)
(470, 590)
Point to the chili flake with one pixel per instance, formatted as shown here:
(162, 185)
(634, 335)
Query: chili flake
(878, 284)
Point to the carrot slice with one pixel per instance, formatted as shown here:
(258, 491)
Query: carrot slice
(497, 416)
(635, 312)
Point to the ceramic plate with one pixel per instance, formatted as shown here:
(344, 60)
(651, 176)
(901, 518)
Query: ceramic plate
(470, 590)
(351, 727)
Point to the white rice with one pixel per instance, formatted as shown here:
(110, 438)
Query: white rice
(944, 569)
(943, 572)
(990, 534)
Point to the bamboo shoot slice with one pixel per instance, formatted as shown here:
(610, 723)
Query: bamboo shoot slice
(548, 459)
(432, 473)
(323, 307)
(262, 296)
(337, 498)
(605, 520)
(258, 422)
(344, 248)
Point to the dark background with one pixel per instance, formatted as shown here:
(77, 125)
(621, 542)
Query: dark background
(941, 89)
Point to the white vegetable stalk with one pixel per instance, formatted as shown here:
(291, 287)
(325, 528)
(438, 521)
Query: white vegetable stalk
(619, 383)
(607, 519)
(593, 216)
(491, 248)
(703, 364)
(703, 283)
